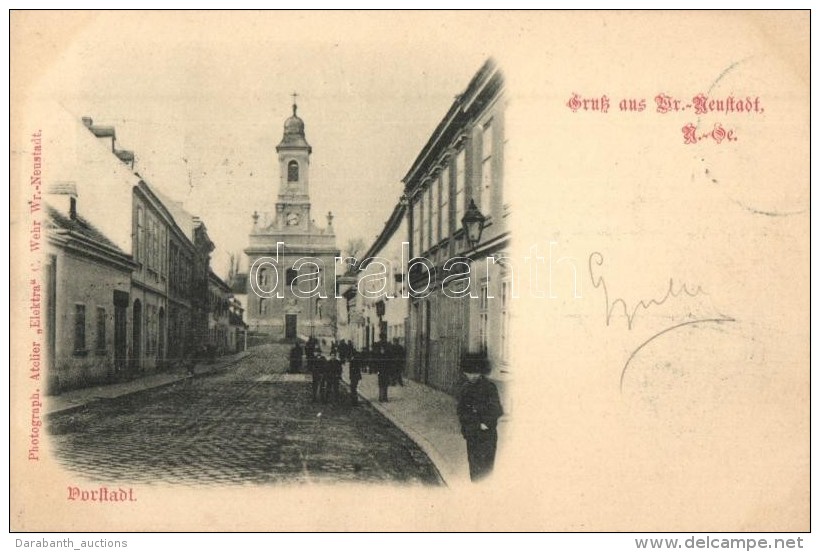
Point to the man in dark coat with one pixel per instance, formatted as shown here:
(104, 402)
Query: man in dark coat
(296, 358)
(398, 362)
(381, 358)
(333, 373)
(316, 366)
(342, 348)
(479, 408)
(322, 367)
(310, 350)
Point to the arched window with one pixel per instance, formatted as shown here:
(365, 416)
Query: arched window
(293, 171)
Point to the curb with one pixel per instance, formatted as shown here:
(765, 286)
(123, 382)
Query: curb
(426, 446)
(94, 400)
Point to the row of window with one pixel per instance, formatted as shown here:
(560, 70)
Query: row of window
(180, 271)
(150, 242)
(267, 279)
(265, 307)
(80, 346)
(219, 305)
(484, 325)
(434, 215)
(154, 338)
(154, 331)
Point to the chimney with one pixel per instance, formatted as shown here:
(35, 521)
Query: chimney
(88, 121)
(62, 196)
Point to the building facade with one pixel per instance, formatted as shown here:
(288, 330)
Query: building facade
(219, 323)
(127, 269)
(180, 297)
(377, 303)
(86, 325)
(449, 315)
(291, 289)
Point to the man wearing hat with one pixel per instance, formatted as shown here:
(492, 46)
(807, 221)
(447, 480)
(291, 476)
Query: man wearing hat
(479, 408)
(316, 365)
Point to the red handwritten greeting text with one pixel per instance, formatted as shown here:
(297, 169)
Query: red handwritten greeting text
(700, 104)
(718, 134)
(577, 102)
(730, 104)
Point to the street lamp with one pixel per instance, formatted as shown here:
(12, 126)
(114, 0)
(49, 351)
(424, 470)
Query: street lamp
(473, 224)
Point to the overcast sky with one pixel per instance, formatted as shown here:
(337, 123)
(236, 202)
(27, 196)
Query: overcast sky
(201, 100)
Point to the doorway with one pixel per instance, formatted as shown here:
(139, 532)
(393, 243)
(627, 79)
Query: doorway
(120, 324)
(136, 337)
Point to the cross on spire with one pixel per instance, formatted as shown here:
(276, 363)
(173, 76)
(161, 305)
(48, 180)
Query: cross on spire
(294, 103)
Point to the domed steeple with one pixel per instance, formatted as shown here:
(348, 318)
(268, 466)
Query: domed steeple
(294, 135)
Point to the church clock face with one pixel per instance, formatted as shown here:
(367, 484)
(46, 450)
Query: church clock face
(292, 219)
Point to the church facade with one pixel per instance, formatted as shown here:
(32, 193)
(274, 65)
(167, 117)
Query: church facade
(291, 284)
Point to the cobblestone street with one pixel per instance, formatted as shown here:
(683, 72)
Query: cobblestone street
(250, 424)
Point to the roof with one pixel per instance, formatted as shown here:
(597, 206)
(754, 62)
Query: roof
(488, 76)
(294, 135)
(239, 283)
(390, 227)
(82, 227)
(220, 283)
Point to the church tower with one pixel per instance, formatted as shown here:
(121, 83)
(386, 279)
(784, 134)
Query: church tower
(291, 289)
(293, 202)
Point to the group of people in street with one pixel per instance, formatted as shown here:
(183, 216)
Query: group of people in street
(385, 359)
(326, 374)
(478, 408)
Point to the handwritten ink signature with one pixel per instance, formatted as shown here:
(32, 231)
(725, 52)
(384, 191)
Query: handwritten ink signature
(643, 305)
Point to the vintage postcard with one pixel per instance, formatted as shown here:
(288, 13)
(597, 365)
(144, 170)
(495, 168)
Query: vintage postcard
(409, 271)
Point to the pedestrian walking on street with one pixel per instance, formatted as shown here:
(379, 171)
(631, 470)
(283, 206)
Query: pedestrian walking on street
(381, 358)
(295, 358)
(310, 353)
(351, 350)
(355, 376)
(479, 408)
(398, 362)
(345, 351)
(316, 368)
(324, 377)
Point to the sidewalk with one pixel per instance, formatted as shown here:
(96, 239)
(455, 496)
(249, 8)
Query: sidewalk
(78, 398)
(428, 417)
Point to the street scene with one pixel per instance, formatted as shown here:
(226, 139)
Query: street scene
(149, 287)
(248, 423)
(428, 270)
